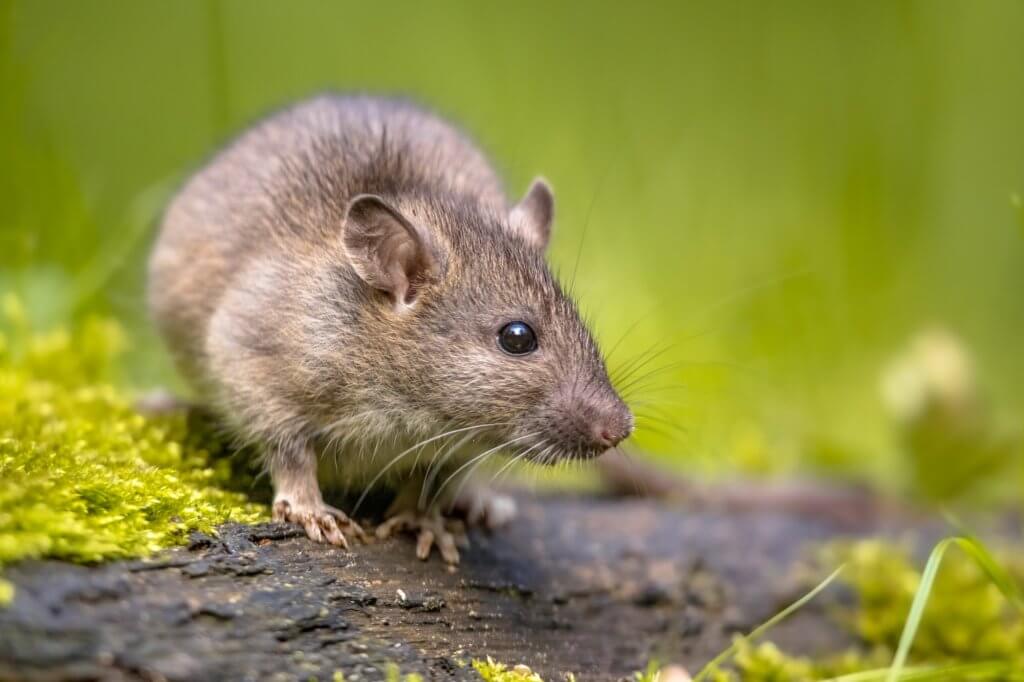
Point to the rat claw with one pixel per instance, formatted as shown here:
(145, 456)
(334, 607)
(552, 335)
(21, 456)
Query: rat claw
(313, 529)
(424, 542)
(396, 523)
(342, 521)
(446, 545)
(331, 531)
(431, 529)
(322, 523)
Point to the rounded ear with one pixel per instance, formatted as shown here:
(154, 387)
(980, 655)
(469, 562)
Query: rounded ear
(532, 216)
(388, 251)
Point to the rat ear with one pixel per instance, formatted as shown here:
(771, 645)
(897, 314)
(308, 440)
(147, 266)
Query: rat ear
(387, 251)
(533, 215)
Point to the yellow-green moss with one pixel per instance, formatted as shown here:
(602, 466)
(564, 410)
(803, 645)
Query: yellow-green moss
(83, 477)
(392, 673)
(765, 662)
(492, 671)
(966, 617)
(967, 620)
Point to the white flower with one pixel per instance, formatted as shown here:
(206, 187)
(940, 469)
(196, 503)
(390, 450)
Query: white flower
(935, 370)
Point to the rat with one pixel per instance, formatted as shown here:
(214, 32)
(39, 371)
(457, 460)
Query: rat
(349, 288)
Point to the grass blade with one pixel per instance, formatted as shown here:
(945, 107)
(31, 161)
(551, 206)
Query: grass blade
(763, 627)
(924, 590)
(992, 568)
(977, 551)
(994, 670)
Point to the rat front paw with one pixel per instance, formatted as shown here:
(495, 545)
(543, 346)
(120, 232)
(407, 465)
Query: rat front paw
(431, 528)
(322, 522)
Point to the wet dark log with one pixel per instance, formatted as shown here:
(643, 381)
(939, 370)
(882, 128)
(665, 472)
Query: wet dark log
(577, 584)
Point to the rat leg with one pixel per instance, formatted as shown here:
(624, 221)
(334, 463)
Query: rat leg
(431, 525)
(431, 528)
(436, 524)
(297, 498)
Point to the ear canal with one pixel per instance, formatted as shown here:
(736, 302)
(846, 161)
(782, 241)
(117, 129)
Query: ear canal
(531, 218)
(386, 250)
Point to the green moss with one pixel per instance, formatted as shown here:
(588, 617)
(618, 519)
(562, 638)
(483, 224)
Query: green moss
(648, 674)
(83, 477)
(491, 671)
(967, 618)
(765, 662)
(968, 625)
(392, 673)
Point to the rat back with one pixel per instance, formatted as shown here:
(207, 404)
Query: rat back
(280, 190)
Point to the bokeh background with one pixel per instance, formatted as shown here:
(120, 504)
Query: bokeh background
(799, 224)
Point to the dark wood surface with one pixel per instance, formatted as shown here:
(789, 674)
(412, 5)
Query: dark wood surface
(593, 586)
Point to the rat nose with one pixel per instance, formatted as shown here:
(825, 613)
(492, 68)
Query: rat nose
(610, 429)
(587, 425)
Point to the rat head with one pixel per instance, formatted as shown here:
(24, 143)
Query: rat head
(478, 335)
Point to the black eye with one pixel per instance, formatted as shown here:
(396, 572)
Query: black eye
(517, 338)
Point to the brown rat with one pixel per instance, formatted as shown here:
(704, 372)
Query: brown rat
(348, 286)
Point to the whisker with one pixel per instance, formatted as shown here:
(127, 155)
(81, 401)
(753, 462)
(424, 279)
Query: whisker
(475, 459)
(638, 481)
(629, 330)
(644, 359)
(656, 431)
(468, 475)
(586, 223)
(435, 468)
(420, 450)
(399, 456)
(651, 373)
(515, 459)
(672, 426)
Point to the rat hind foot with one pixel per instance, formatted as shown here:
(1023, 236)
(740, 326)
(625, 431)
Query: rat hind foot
(432, 528)
(322, 523)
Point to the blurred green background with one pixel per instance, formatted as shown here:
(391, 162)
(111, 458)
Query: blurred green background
(774, 197)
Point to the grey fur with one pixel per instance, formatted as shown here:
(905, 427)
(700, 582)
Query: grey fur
(251, 287)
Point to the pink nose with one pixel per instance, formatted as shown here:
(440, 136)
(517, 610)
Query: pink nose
(609, 435)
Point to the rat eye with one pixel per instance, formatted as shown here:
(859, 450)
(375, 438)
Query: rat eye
(517, 338)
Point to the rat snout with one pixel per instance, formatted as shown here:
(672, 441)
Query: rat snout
(593, 422)
(610, 424)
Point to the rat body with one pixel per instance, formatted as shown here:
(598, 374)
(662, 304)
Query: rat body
(348, 286)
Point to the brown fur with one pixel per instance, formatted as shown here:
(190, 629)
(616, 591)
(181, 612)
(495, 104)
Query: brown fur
(252, 289)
